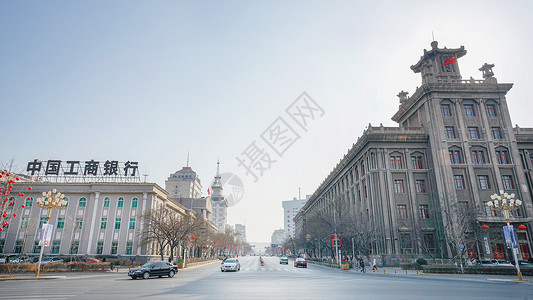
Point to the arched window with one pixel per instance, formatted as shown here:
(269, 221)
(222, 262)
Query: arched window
(456, 155)
(83, 202)
(106, 201)
(120, 202)
(134, 202)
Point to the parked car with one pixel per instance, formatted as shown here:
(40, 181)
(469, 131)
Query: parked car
(231, 264)
(157, 268)
(51, 260)
(90, 260)
(502, 263)
(283, 260)
(523, 263)
(300, 262)
(21, 259)
(484, 263)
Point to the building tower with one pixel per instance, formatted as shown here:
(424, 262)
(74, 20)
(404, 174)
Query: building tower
(220, 205)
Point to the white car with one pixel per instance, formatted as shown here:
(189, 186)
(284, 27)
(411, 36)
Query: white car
(51, 260)
(231, 264)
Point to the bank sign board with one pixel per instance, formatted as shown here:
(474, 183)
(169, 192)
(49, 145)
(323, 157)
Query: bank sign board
(84, 171)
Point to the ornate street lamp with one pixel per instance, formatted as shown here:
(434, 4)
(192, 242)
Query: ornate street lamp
(506, 203)
(49, 200)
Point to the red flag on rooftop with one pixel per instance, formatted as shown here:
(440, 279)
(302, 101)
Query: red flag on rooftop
(208, 192)
(450, 60)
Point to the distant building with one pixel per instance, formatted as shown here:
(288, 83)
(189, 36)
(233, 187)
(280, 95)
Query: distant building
(290, 209)
(240, 232)
(277, 237)
(220, 205)
(185, 183)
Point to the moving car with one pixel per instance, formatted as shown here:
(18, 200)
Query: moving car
(502, 263)
(300, 262)
(283, 260)
(90, 260)
(231, 264)
(157, 268)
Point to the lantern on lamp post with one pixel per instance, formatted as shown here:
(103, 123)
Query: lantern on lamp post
(506, 203)
(50, 200)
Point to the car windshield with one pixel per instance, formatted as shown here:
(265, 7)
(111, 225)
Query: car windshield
(148, 265)
(230, 261)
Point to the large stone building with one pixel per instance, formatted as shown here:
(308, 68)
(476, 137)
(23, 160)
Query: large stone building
(454, 147)
(184, 183)
(240, 232)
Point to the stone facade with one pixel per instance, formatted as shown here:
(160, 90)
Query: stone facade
(454, 147)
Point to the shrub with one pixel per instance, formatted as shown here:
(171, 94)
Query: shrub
(421, 261)
(410, 266)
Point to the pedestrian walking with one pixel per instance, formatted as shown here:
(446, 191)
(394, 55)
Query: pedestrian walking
(374, 266)
(362, 264)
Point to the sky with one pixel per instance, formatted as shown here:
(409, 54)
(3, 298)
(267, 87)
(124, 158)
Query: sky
(151, 81)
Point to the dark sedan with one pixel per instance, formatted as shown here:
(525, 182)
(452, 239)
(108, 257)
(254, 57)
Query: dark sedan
(157, 268)
(300, 262)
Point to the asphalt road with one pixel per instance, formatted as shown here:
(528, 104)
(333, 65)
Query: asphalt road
(271, 281)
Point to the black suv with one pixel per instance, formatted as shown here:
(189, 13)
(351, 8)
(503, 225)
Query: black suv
(154, 268)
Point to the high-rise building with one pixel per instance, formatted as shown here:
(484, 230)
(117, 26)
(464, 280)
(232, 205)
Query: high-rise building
(278, 236)
(290, 209)
(455, 146)
(220, 205)
(185, 183)
(240, 232)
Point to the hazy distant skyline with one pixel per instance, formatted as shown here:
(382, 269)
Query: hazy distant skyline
(150, 81)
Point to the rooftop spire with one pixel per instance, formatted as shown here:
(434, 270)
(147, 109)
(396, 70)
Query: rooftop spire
(187, 157)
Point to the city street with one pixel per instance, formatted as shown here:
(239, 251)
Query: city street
(271, 281)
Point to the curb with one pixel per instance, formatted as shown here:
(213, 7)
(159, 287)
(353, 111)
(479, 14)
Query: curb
(6, 278)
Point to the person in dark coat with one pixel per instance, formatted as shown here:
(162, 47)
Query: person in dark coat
(362, 264)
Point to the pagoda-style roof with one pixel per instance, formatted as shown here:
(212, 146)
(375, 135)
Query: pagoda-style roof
(460, 52)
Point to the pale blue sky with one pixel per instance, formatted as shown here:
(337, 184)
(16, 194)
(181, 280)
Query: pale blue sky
(149, 80)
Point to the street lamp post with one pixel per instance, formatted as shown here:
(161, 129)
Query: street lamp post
(506, 203)
(49, 200)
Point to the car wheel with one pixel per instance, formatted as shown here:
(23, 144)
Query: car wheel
(171, 274)
(221, 270)
(133, 277)
(146, 275)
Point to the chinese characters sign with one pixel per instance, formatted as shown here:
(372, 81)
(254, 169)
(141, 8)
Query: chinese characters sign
(84, 171)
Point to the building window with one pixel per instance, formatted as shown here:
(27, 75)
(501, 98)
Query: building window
(402, 211)
(483, 181)
(117, 223)
(103, 223)
(114, 247)
(83, 202)
(120, 202)
(459, 182)
(507, 182)
(478, 157)
(424, 211)
(79, 223)
(132, 223)
(99, 247)
(36, 247)
(515, 213)
(29, 202)
(446, 111)
(60, 223)
(2, 243)
(66, 199)
(24, 223)
(420, 186)
(55, 247)
(496, 133)
(134, 202)
(396, 162)
(503, 157)
(488, 211)
(405, 243)
(416, 162)
(429, 242)
(450, 132)
(455, 157)
(398, 186)
(473, 133)
(18, 246)
(469, 110)
(491, 110)
(42, 221)
(129, 248)
(74, 247)
(106, 202)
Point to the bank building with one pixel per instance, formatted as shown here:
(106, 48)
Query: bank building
(453, 148)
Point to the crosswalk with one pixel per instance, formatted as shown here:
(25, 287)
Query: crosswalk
(270, 269)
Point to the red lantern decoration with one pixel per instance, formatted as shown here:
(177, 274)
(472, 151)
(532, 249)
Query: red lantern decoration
(484, 227)
(17, 179)
(23, 206)
(29, 188)
(14, 215)
(1, 229)
(522, 227)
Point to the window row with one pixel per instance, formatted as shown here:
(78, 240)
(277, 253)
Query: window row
(473, 133)
(420, 186)
(423, 210)
(396, 162)
(78, 224)
(479, 157)
(114, 247)
(469, 110)
(107, 200)
(484, 182)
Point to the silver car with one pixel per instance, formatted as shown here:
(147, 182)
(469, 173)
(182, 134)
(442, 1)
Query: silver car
(231, 264)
